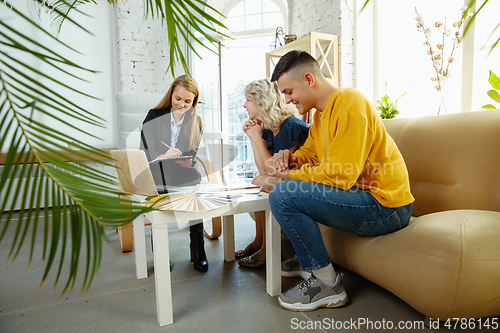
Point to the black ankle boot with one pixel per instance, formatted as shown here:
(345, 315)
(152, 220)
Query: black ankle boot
(198, 256)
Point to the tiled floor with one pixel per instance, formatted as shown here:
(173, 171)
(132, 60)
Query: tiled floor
(225, 299)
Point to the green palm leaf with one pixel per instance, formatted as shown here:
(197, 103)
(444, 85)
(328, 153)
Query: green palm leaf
(364, 5)
(60, 10)
(84, 201)
(37, 172)
(178, 15)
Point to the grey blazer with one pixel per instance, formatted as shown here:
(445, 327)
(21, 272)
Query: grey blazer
(156, 128)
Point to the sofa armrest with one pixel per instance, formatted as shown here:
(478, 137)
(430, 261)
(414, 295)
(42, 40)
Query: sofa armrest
(444, 265)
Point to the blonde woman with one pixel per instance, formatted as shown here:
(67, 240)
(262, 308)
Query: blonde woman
(172, 129)
(272, 126)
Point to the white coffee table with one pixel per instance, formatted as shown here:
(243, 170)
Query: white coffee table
(160, 221)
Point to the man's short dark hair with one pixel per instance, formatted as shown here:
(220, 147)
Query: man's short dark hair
(290, 61)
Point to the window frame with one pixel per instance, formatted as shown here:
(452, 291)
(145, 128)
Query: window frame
(223, 90)
(366, 73)
(258, 32)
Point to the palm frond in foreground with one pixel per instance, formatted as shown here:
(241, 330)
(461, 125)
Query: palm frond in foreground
(179, 16)
(84, 200)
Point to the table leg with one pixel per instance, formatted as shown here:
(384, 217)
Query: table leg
(125, 232)
(163, 287)
(273, 255)
(126, 237)
(141, 262)
(228, 230)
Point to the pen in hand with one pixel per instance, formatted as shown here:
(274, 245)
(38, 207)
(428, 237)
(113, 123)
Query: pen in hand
(168, 146)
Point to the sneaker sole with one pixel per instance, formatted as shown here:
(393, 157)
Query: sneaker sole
(302, 274)
(327, 302)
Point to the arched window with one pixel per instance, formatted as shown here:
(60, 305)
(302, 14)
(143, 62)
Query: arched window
(252, 24)
(250, 15)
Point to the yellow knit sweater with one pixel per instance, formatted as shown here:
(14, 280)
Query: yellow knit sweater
(349, 146)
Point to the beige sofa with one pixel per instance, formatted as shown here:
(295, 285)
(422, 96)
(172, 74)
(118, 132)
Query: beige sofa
(446, 263)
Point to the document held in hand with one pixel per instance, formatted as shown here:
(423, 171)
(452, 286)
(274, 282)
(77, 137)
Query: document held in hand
(170, 159)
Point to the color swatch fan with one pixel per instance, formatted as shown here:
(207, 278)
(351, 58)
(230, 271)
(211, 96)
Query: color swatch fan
(190, 201)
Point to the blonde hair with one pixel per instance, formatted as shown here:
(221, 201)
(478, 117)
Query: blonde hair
(270, 102)
(194, 125)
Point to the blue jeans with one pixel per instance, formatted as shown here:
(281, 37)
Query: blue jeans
(297, 205)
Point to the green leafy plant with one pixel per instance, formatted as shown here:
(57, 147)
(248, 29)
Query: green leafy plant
(493, 93)
(387, 109)
(84, 200)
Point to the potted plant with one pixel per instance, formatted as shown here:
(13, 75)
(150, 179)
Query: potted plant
(387, 109)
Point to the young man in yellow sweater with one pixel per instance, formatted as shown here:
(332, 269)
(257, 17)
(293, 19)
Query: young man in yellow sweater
(348, 175)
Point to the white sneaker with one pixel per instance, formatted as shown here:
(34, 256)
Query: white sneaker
(313, 294)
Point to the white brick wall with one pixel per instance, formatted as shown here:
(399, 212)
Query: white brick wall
(143, 57)
(333, 17)
(143, 52)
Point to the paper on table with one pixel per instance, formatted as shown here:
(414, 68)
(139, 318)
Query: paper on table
(170, 159)
(233, 189)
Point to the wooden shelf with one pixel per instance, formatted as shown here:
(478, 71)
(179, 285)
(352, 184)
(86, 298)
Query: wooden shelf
(323, 47)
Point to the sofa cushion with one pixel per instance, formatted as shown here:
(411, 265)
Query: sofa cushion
(452, 160)
(444, 265)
